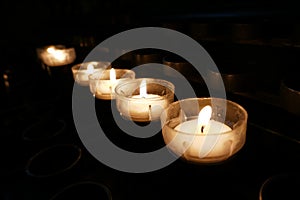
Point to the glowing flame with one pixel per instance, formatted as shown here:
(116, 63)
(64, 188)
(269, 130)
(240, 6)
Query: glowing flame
(58, 54)
(112, 75)
(5, 77)
(113, 80)
(51, 50)
(143, 89)
(90, 69)
(203, 119)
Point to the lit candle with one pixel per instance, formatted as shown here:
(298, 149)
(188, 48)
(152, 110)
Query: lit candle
(57, 55)
(205, 126)
(82, 71)
(194, 130)
(144, 106)
(103, 83)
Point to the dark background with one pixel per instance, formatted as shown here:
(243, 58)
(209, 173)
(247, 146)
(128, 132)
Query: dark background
(267, 30)
(263, 36)
(33, 22)
(26, 25)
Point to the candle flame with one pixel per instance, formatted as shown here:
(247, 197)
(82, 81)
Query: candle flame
(203, 118)
(5, 77)
(143, 89)
(51, 50)
(90, 69)
(58, 54)
(112, 75)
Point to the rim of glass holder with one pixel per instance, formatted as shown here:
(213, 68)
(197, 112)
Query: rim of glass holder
(100, 74)
(98, 65)
(60, 171)
(31, 127)
(79, 183)
(239, 125)
(161, 82)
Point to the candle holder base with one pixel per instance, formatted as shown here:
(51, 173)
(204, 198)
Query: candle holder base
(209, 162)
(146, 123)
(79, 190)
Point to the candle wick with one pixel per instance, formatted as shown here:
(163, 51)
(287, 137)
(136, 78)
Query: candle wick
(149, 116)
(110, 89)
(202, 129)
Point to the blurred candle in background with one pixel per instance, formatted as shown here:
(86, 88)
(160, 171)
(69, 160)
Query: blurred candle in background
(56, 55)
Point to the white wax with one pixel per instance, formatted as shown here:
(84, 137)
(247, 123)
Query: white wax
(213, 127)
(148, 96)
(143, 108)
(209, 143)
(105, 88)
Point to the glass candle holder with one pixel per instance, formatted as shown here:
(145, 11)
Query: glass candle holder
(53, 160)
(182, 66)
(234, 79)
(56, 55)
(176, 63)
(44, 129)
(82, 71)
(102, 84)
(280, 186)
(144, 99)
(290, 94)
(79, 190)
(204, 139)
(244, 32)
(144, 56)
